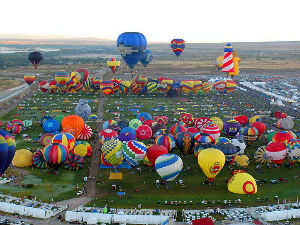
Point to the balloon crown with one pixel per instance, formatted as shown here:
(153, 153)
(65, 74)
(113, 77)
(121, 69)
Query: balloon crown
(228, 48)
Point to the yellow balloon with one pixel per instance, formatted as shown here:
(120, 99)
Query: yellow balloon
(219, 61)
(241, 160)
(242, 183)
(22, 158)
(211, 161)
(76, 76)
(254, 119)
(218, 122)
(81, 150)
(197, 86)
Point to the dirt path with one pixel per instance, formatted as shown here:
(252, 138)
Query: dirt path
(95, 160)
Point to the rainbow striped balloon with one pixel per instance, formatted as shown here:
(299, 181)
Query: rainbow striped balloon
(134, 151)
(166, 140)
(65, 139)
(168, 166)
(55, 153)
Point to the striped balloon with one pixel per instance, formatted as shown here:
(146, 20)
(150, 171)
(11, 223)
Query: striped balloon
(228, 59)
(186, 86)
(65, 139)
(197, 86)
(107, 87)
(134, 151)
(168, 166)
(212, 129)
(151, 87)
(86, 133)
(166, 140)
(55, 153)
(200, 122)
(124, 86)
(206, 87)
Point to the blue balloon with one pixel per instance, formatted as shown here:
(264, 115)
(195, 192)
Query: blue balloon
(131, 45)
(146, 58)
(51, 126)
(7, 150)
(128, 130)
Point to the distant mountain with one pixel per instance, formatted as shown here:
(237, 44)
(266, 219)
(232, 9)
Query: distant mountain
(30, 39)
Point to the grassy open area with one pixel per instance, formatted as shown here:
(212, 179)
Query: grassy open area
(6, 84)
(203, 105)
(63, 186)
(46, 186)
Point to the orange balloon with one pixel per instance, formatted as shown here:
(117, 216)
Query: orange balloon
(72, 124)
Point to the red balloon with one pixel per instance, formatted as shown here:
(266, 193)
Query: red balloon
(282, 136)
(192, 130)
(260, 126)
(242, 119)
(143, 132)
(276, 151)
(148, 122)
(154, 151)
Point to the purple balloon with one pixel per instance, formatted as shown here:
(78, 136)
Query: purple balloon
(232, 127)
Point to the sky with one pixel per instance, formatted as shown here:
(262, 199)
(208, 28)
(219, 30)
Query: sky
(159, 20)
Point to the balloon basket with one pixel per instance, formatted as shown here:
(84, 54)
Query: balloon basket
(115, 175)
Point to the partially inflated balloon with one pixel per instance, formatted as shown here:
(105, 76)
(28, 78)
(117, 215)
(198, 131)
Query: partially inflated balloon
(211, 162)
(242, 183)
(72, 124)
(112, 151)
(61, 77)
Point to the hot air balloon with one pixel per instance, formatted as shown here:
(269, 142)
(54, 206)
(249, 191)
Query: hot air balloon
(44, 86)
(146, 58)
(293, 151)
(35, 58)
(7, 150)
(112, 151)
(38, 160)
(134, 151)
(131, 45)
(107, 87)
(55, 154)
(249, 134)
(83, 145)
(167, 140)
(232, 127)
(84, 73)
(74, 162)
(154, 151)
(51, 126)
(29, 79)
(242, 183)
(113, 64)
(185, 142)
(228, 149)
(177, 45)
(143, 132)
(175, 129)
(53, 86)
(219, 62)
(83, 109)
(86, 133)
(135, 123)
(211, 161)
(239, 144)
(187, 118)
(212, 129)
(65, 139)
(260, 126)
(144, 116)
(200, 122)
(260, 156)
(72, 124)
(168, 166)
(277, 151)
(61, 77)
(107, 135)
(218, 121)
(124, 86)
(282, 136)
(22, 158)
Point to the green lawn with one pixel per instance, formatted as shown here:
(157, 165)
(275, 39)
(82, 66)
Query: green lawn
(63, 186)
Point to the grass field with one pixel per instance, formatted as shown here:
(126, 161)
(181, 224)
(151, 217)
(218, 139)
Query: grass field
(63, 186)
(46, 186)
(203, 105)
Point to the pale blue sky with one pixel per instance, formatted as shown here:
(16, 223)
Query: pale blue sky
(158, 20)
